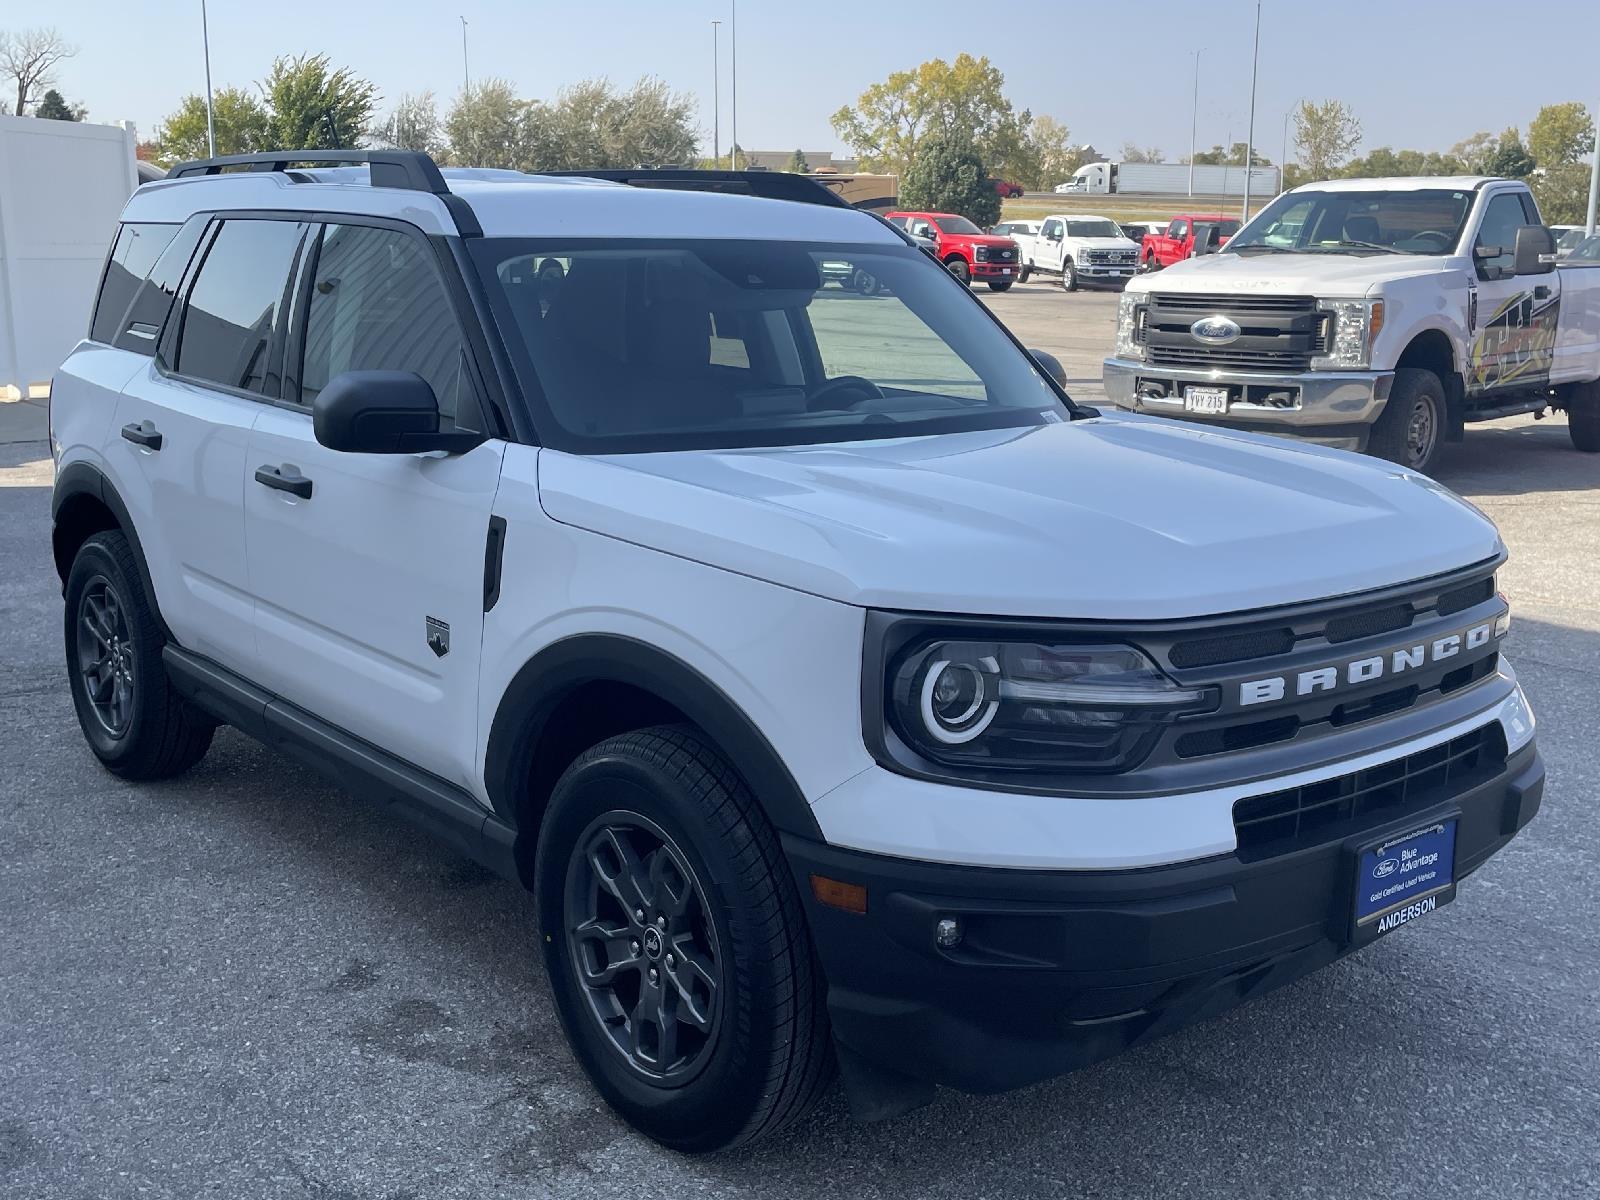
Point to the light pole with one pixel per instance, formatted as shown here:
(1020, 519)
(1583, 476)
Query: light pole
(1594, 189)
(1194, 119)
(733, 41)
(716, 96)
(1250, 138)
(466, 75)
(205, 38)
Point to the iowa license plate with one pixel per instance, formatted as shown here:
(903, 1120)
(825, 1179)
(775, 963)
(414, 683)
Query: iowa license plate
(1205, 400)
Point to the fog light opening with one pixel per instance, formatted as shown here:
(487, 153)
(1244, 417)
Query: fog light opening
(947, 933)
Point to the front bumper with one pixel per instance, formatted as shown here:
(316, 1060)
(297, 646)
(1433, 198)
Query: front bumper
(1333, 408)
(1059, 969)
(1094, 270)
(994, 270)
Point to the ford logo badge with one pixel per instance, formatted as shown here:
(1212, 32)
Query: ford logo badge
(1215, 331)
(1386, 868)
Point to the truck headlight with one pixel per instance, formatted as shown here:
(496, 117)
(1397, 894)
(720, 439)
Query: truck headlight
(1354, 326)
(1131, 308)
(980, 706)
(980, 254)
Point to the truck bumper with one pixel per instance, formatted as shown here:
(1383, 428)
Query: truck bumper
(1332, 408)
(1058, 969)
(1105, 272)
(987, 271)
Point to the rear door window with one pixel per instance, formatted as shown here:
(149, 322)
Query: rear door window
(233, 310)
(138, 246)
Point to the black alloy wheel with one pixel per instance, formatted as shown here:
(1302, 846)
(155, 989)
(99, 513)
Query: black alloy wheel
(105, 660)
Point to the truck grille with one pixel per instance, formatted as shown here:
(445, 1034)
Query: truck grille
(1279, 334)
(1124, 258)
(1314, 812)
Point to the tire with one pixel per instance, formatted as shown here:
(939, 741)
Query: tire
(1151, 266)
(999, 285)
(1069, 276)
(138, 726)
(1583, 416)
(1024, 272)
(864, 281)
(1411, 426)
(660, 812)
(958, 267)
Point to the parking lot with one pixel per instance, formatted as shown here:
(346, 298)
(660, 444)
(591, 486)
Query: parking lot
(244, 983)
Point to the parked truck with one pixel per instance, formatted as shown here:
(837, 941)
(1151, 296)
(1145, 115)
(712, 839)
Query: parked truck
(1175, 179)
(1371, 314)
(1080, 248)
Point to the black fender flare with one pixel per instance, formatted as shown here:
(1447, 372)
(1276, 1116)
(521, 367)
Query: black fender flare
(554, 672)
(86, 479)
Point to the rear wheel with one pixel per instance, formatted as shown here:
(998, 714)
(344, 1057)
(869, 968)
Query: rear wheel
(1583, 416)
(1412, 423)
(676, 944)
(1069, 276)
(999, 285)
(958, 267)
(133, 720)
(1150, 264)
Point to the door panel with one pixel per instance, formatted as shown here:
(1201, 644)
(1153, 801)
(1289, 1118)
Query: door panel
(1513, 341)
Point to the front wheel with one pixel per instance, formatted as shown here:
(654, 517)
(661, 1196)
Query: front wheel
(864, 281)
(958, 267)
(1025, 272)
(1069, 276)
(1411, 426)
(999, 285)
(676, 945)
(1583, 416)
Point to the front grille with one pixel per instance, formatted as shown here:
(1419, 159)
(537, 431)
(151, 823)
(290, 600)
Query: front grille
(1368, 624)
(1315, 812)
(1124, 257)
(1281, 334)
(1203, 304)
(1227, 356)
(1233, 647)
(1463, 598)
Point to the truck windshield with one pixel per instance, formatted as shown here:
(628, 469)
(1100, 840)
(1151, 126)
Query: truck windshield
(956, 225)
(635, 345)
(1095, 228)
(1427, 221)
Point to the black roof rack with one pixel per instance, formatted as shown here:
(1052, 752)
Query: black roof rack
(771, 185)
(410, 170)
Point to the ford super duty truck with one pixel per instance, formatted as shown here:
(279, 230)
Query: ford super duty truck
(1372, 314)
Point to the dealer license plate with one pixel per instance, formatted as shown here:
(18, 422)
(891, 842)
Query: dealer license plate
(1404, 878)
(1205, 400)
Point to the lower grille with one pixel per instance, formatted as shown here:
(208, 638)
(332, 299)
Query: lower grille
(1313, 812)
(1287, 362)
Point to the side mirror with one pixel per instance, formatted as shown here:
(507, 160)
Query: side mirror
(1536, 251)
(1206, 240)
(383, 412)
(1051, 366)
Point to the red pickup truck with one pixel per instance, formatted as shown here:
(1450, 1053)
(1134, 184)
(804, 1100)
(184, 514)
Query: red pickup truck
(1176, 242)
(968, 252)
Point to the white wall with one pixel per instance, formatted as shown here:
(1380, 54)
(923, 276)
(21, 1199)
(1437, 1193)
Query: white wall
(62, 186)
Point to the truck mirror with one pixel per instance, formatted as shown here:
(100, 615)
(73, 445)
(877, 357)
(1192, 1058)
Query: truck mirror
(1050, 365)
(1536, 251)
(1206, 240)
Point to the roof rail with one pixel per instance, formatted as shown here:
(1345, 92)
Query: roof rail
(771, 185)
(410, 170)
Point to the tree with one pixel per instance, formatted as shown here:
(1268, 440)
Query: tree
(1047, 157)
(315, 107)
(1474, 153)
(1140, 154)
(29, 60)
(1384, 163)
(52, 107)
(797, 163)
(1511, 158)
(960, 101)
(489, 127)
(1324, 135)
(949, 176)
(243, 126)
(413, 125)
(1562, 193)
(1561, 134)
(1218, 157)
(591, 124)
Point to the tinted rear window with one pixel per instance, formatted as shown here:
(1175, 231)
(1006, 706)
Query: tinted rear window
(138, 247)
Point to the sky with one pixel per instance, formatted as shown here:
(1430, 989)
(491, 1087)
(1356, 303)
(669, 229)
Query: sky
(1419, 73)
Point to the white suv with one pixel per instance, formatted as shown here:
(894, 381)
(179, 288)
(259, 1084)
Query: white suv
(845, 693)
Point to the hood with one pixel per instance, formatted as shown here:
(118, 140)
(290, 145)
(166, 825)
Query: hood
(979, 239)
(1329, 274)
(1104, 243)
(1119, 517)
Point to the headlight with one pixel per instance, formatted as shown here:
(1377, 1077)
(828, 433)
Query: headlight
(1130, 314)
(1355, 324)
(1047, 707)
(980, 253)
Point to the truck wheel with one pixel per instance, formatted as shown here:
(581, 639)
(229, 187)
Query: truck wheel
(958, 267)
(676, 944)
(1411, 426)
(999, 285)
(1583, 416)
(865, 282)
(133, 720)
(1025, 272)
(1069, 276)
(1151, 266)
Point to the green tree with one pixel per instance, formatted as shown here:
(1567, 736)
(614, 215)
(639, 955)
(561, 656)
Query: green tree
(1233, 156)
(1140, 154)
(52, 107)
(243, 126)
(1561, 134)
(949, 176)
(960, 101)
(490, 127)
(591, 124)
(1474, 153)
(797, 163)
(1385, 163)
(1324, 136)
(315, 107)
(1047, 157)
(1563, 193)
(1511, 158)
(413, 125)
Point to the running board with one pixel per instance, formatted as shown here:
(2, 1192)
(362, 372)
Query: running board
(448, 812)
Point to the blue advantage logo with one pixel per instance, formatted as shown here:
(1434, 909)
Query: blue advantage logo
(1215, 331)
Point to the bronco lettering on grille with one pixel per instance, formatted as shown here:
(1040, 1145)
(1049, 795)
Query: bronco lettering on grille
(1364, 670)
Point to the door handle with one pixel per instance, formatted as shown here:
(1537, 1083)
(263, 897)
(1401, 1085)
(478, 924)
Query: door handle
(142, 433)
(285, 479)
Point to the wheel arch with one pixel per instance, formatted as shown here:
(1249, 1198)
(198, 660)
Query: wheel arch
(83, 504)
(584, 688)
(1432, 350)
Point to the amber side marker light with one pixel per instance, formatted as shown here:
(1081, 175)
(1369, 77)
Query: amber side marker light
(851, 897)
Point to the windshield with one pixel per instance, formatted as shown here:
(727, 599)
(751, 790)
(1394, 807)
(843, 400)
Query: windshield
(955, 225)
(1093, 228)
(655, 345)
(1375, 222)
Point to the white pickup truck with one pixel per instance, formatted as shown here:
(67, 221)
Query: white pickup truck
(1080, 249)
(1372, 314)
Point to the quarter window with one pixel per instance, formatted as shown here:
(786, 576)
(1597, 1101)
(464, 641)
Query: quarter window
(377, 304)
(138, 247)
(234, 304)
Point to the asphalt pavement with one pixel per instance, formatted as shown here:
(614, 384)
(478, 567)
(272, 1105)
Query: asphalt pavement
(245, 983)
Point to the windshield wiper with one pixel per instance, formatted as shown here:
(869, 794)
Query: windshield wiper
(1264, 248)
(1365, 246)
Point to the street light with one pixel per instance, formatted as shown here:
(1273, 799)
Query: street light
(1194, 119)
(211, 128)
(716, 96)
(466, 75)
(1250, 138)
(733, 40)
